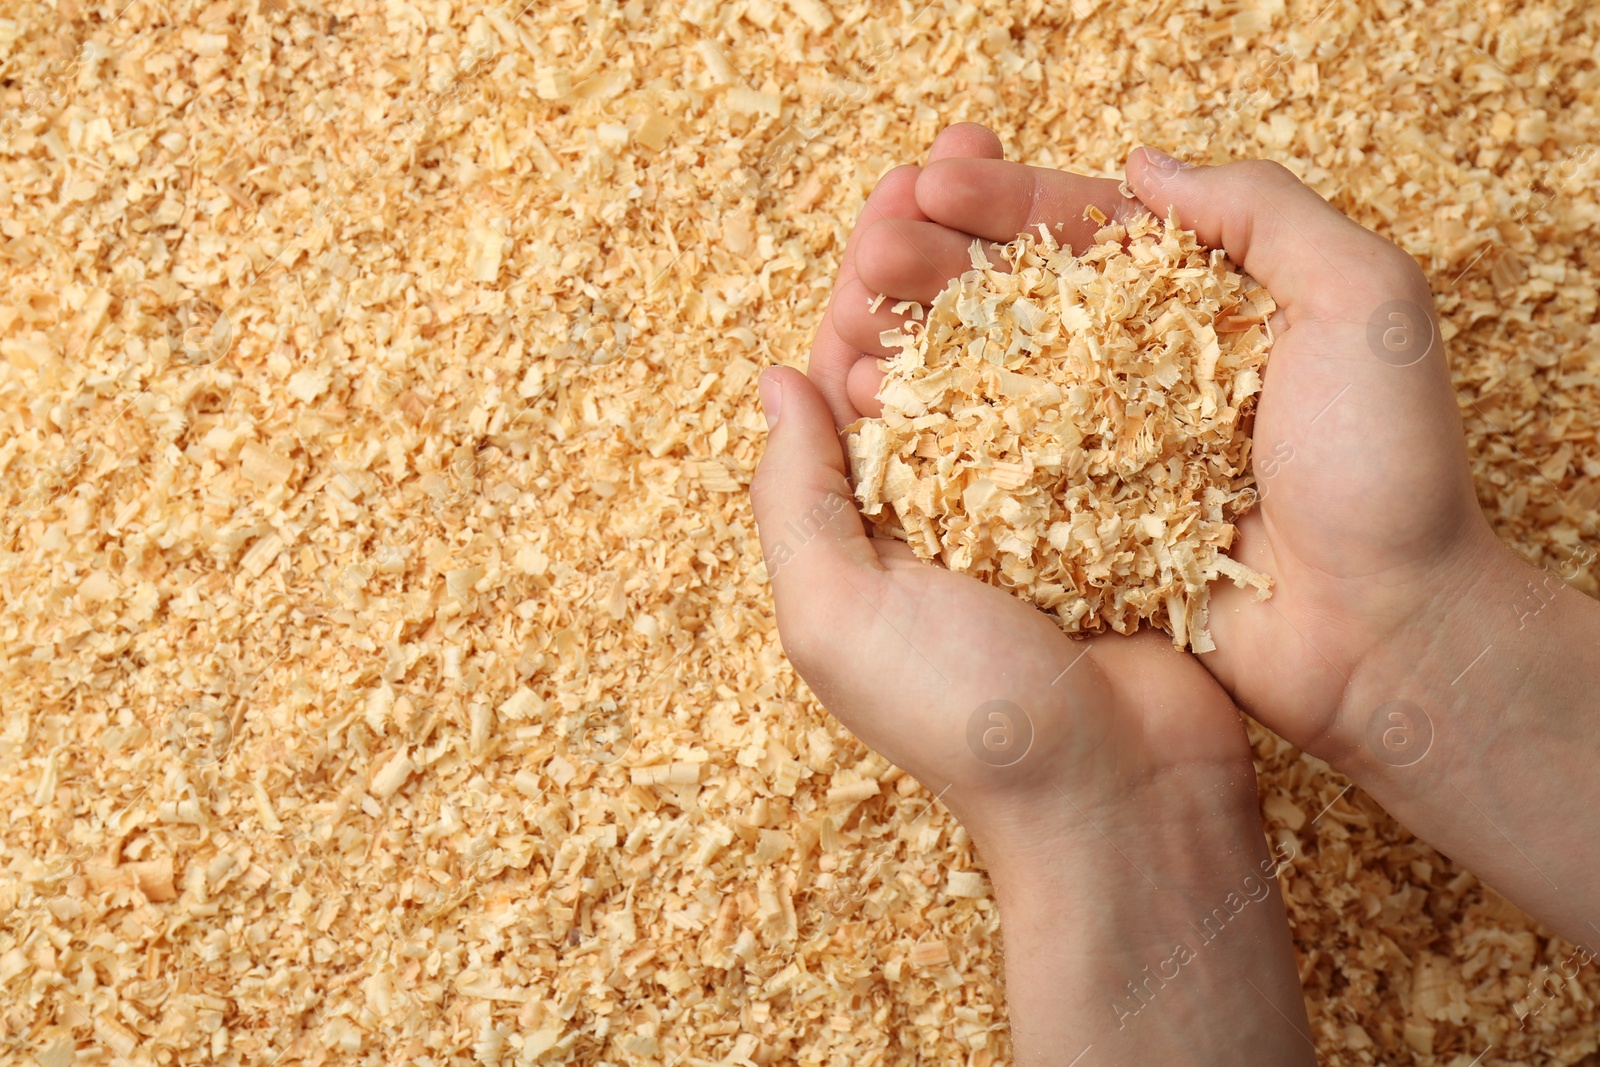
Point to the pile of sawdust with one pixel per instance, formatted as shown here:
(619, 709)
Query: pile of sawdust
(390, 672)
(1073, 429)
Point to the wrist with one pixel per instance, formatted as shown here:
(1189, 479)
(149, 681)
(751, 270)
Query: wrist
(1387, 716)
(1477, 729)
(1173, 830)
(1151, 931)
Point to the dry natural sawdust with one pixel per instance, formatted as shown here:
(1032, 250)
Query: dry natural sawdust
(1072, 428)
(377, 387)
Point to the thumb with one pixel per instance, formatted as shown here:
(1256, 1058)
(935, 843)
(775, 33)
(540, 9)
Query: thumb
(1273, 225)
(812, 538)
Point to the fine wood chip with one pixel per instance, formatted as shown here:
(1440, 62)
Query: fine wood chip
(1072, 428)
(263, 420)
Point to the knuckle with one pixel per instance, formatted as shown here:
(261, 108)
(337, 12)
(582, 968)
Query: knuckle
(1267, 172)
(875, 256)
(905, 174)
(1390, 271)
(854, 324)
(897, 184)
(1402, 264)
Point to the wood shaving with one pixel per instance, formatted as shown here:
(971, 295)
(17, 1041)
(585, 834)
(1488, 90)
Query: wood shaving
(1072, 429)
(314, 187)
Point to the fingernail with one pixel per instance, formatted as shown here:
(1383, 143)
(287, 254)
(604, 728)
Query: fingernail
(771, 398)
(1162, 160)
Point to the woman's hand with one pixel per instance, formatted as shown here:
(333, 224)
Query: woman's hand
(1403, 643)
(1108, 782)
(1368, 511)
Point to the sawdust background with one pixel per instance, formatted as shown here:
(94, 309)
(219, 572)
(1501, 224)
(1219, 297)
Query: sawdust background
(345, 610)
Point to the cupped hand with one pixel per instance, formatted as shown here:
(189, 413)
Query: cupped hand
(1108, 782)
(973, 691)
(1368, 521)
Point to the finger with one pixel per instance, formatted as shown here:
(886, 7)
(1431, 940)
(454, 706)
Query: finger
(966, 139)
(865, 381)
(1274, 226)
(831, 359)
(910, 260)
(894, 197)
(833, 362)
(858, 325)
(812, 538)
(996, 200)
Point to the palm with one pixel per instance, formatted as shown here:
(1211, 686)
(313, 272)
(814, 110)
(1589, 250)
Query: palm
(970, 687)
(1351, 534)
(1367, 496)
(912, 655)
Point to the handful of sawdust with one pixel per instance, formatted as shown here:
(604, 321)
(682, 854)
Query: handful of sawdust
(1072, 430)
